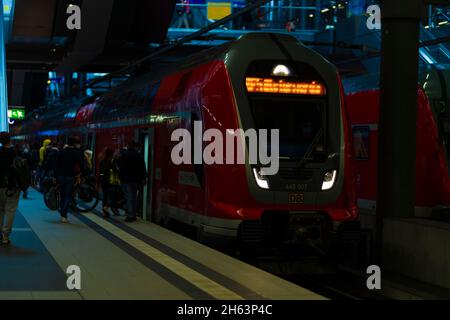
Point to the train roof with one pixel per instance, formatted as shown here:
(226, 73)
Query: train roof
(204, 56)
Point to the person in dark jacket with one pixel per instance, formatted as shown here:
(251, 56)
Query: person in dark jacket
(50, 159)
(69, 165)
(132, 174)
(25, 153)
(9, 193)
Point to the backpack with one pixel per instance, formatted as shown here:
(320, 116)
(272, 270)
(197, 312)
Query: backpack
(51, 159)
(20, 175)
(114, 178)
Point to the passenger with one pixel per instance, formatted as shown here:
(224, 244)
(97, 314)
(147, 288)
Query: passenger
(9, 193)
(88, 161)
(41, 171)
(26, 154)
(50, 159)
(132, 174)
(184, 11)
(116, 198)
(42, 151)
(35, 166)
(290, 26)
(105, 167)
(69, 165)
(247, 18)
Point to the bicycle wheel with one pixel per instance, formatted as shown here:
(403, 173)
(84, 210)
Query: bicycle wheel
(85, 197)
(52, 198)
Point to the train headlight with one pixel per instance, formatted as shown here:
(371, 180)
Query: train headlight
(281, 71)
(261, 180)
(328, 180)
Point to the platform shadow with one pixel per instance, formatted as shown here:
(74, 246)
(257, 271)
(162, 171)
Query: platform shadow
(13, 250)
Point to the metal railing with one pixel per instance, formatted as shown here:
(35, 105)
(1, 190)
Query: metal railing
(289, 18)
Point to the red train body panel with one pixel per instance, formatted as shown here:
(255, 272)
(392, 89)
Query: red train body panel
(432, 175)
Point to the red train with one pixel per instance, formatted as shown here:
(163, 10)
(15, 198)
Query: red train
(259, 81)
(432, 195)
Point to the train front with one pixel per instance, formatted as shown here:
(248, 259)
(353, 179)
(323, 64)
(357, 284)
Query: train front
(305, 195)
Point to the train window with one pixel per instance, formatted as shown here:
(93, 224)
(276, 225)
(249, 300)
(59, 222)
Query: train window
(299, 122)
(361, 135)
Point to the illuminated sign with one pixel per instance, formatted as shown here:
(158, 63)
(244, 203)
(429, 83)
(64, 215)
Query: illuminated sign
(267, 85)
(218, 9)
(16, 113)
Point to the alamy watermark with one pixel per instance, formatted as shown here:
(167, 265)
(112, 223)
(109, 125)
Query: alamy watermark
(374, 19)
(74, 277)
(227, 148)
(374, 280)
(74, 20)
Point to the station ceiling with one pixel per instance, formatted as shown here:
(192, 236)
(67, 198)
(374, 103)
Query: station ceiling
(113, 32)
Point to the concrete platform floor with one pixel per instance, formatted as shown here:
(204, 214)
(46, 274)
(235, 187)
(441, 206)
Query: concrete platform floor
(139, 261)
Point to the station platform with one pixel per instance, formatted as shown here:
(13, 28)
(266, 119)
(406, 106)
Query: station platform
(118, 261)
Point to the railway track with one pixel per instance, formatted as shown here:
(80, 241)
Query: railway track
(333, 282)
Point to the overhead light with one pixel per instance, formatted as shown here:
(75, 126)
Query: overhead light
(281, 71)
(324, 10)
(442, 23)
(328, 180)
(311, 15)
(261, 180)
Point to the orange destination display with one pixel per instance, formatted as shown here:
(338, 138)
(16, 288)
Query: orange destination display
(269, 85)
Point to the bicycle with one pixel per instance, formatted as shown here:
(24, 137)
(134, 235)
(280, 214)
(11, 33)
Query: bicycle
(84, 197)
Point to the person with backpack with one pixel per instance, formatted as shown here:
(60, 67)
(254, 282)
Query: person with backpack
(14, 178)
(50, 158)
(132, 174)
(69, 164)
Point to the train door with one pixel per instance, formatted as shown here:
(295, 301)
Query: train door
(146, 140)
(364, 146)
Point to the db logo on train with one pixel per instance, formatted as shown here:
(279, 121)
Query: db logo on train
(296, 198)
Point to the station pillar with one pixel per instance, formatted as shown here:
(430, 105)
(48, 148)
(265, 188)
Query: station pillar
(4, 124)
(398, 111)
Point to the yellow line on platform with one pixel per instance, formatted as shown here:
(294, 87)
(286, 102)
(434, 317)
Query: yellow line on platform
(200, 281)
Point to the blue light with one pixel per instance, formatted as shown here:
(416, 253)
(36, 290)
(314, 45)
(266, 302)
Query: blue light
(49, 133)
(7, 7)
(4, 123)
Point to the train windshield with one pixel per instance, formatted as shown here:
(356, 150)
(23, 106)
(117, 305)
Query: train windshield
(299, 122)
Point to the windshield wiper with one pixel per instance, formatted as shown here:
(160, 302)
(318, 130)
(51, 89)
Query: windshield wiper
(311, 147)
